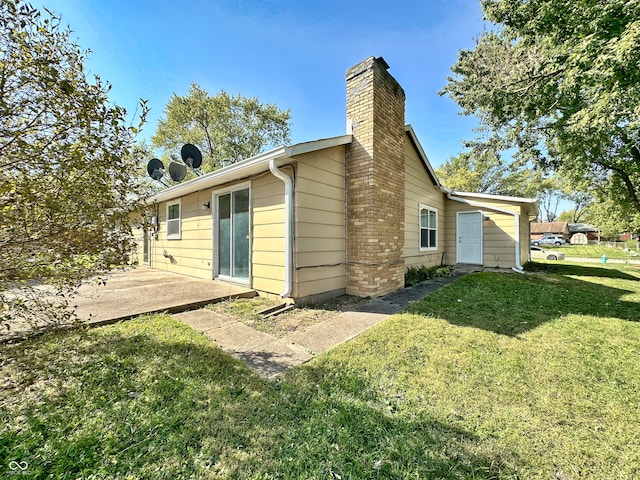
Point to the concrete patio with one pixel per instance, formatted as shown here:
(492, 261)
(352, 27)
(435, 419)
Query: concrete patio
(143, 290)
(133, 292)
(138, 291)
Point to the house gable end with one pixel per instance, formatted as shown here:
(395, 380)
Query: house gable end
(411, 134)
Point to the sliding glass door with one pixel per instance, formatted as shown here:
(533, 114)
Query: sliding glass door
(233, 235)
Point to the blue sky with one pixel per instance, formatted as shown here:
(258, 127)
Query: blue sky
(291, 53)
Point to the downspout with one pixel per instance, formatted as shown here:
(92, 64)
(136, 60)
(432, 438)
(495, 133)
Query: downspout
(516, 216)
(288, 226)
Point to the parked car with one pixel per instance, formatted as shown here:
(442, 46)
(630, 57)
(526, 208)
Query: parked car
(556, 240)
(539, 253)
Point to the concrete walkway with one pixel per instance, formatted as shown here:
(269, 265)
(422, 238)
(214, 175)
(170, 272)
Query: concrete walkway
(269, 356)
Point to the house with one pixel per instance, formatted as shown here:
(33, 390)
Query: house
(625, 237)
(539, 229)
(347, 214)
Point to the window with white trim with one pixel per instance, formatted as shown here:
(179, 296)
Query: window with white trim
(174, 229)
(428, 228)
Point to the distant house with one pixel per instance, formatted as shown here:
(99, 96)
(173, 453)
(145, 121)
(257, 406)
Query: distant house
(539, 229)
(347, 214)
(626, 236)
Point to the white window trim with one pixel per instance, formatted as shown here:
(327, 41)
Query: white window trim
(175, 236)
(420, 227)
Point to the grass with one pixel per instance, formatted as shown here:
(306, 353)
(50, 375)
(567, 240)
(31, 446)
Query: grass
(248, 311)
(497, 376)
(593, 251)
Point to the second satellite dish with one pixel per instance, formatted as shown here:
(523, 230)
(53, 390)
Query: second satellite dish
(177, 171)
(191, 155)
(155, 168)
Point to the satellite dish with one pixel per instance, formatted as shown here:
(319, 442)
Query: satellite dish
(177, 171)
(191, 155)
(155, 169)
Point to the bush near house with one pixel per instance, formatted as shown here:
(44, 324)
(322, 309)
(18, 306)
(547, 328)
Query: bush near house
(497, 376)
(415, 275)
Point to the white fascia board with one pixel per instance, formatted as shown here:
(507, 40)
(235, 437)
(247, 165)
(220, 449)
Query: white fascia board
(532, 203)
(489, 196)
(245, 168)
(308, 147)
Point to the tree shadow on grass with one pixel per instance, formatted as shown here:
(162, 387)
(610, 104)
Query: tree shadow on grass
(579, 270)
(510, 304)
(141, 405)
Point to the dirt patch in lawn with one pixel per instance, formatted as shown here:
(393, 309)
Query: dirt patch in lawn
(247, 311)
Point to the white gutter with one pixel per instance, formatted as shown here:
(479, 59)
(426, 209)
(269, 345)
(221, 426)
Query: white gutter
(516, 216)
(288, 226)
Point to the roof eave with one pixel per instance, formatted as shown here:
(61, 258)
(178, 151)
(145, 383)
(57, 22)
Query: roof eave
(223, 175)
(506, 198)
(315, 145)
(530, 204)
(245, 168)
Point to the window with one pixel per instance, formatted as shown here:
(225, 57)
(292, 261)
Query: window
(428, 228)
(174, 230)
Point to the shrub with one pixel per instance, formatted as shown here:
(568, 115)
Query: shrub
(419, 274)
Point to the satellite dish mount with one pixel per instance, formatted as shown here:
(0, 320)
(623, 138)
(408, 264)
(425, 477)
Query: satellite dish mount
(191, 157)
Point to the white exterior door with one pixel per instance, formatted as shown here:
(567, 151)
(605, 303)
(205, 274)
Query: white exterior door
(469, 238)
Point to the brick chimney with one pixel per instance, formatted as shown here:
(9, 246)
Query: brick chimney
(375, 180)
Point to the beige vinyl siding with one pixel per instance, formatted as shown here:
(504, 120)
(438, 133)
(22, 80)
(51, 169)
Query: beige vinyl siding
(498, 232)
(320, 223)
(137, 256)
(499, 236)
(450, 231)
(267, 201)
(450, 243)
(193, 254)
(419, 189)
(319, 230)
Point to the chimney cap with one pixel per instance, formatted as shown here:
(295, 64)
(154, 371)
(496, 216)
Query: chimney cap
(380, 61)
(367, 64)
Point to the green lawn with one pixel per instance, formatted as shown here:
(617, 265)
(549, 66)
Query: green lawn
(594, 251)
(496, 376)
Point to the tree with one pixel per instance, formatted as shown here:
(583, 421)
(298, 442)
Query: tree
(485, 172)
(224, 127)
(581, 202)
(470, 173)
(67, 180)
(558, 82)
(607, 217)
(567, 216)
(481, 169)
(549, 196)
